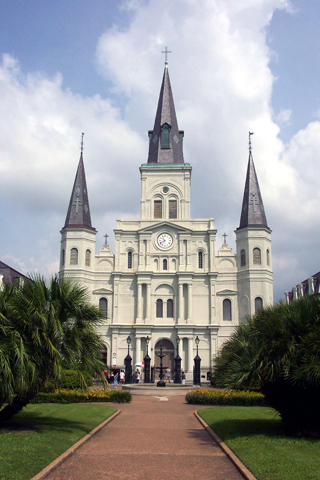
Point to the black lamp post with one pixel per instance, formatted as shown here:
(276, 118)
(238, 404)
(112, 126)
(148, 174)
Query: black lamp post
(127, 362)
(197, 365)
(147, 361)
(177, 364)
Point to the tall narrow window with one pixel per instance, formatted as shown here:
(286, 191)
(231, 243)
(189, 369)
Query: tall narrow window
(158, 209)
(74, 256)
(227, 314)
(103, 307)
(243, 258)
(130, 259)
(159, 308)
(88, 258)
(200, 260)
(258, 304)
(165, 136)
(63, 255)
(165, 264)
(256, 256)
(268, 257)
(170, 308)
(173, 208)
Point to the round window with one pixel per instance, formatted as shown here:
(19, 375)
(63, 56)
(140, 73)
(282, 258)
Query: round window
(165, 189)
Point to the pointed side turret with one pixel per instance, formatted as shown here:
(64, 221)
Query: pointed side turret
(252, 213)
(165, 140)
(79, 211)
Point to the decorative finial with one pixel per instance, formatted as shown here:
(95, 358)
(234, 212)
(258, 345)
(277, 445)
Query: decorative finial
(106, 237)
(82, 143)
(250, 133)
(225, 238)
(166, 51)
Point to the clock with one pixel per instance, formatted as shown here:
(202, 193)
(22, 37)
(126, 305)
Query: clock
(165, 240)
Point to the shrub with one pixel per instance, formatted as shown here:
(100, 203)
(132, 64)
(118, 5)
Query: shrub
(277, 350)
(77, 396)
(224, 397)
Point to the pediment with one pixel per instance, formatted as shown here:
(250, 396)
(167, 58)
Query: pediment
(102, 291)
(227, 292)
(172, 225)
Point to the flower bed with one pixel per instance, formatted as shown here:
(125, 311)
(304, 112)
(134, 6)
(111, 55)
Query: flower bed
(78, 396)
(225, 397)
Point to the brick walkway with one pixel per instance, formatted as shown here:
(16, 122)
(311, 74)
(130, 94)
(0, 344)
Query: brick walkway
(153, 438)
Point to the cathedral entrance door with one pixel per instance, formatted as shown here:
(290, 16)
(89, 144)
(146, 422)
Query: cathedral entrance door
(168, 360)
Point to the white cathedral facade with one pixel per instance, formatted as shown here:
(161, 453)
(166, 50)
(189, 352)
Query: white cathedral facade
(166, 279)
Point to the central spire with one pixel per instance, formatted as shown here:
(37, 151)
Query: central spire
(165, 140)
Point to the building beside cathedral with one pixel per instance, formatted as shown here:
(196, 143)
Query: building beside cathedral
(166, 277)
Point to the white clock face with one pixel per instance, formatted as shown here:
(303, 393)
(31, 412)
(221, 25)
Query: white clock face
(165, 240)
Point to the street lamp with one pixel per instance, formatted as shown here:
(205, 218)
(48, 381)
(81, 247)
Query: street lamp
(147, 361)
(197, 365)
(177, 364)
(127, 362)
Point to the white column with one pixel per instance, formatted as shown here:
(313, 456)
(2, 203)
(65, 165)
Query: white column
(138, 349)
(180, 320)
(148, 300)
(189, 302)
(190, 360)
(139, 301)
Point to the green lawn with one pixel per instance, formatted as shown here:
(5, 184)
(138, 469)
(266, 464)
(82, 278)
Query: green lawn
(40, 433)
(254, 434)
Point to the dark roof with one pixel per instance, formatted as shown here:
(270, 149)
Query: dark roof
(252, 213)
(166, 114)
(10, 275)
(79, 211)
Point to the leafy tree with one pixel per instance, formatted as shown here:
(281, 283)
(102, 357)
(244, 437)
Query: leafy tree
(44, 327)
(278, 351)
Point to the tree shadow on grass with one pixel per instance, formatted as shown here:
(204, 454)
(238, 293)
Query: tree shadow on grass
(235, 428)
(36, 421)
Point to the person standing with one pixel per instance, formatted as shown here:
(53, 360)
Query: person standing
(168, 375)
(115, 380)
(122, 377)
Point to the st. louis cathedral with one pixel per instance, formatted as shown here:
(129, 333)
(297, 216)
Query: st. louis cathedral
(166, 278)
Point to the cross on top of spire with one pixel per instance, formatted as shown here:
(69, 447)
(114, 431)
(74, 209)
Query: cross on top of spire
(250, 133)
(166, 51)
(82, 134)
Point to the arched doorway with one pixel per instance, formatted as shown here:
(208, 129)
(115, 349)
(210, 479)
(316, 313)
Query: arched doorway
(168, 360)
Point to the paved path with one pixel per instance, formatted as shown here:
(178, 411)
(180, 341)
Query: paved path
(152, 439)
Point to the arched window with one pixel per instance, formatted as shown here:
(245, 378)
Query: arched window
(165, 136)
(258, 304)
(74, 256)
(170, 308)
(63, 257)
(103, 307)
(130, 259)
(256, 256)
(227, 314)
(157, 209)
(268, 257)
(173, 208)
(243, 258)
(200, 259)
(165, 264)
(88, 258)
(159, 308)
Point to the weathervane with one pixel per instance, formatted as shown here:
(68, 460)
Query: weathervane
(82, 143)
(166, 51)
(250, 133)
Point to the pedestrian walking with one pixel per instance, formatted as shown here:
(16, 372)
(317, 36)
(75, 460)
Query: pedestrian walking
(168, 375)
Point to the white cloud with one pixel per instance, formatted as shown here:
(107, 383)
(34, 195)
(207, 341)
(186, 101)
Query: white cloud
(284, 116)
(222, 86)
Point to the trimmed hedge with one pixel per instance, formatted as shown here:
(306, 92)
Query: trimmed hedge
(76, 396)
(226, 397)
(70, 379)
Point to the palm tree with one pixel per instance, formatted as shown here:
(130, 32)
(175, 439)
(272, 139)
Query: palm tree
(42, 327)
(278, 350)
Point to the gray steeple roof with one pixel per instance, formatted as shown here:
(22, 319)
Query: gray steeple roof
(171, 152)
(79, 212)
(252, 214)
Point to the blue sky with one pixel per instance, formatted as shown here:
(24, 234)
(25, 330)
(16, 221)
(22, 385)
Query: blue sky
(96, 67)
